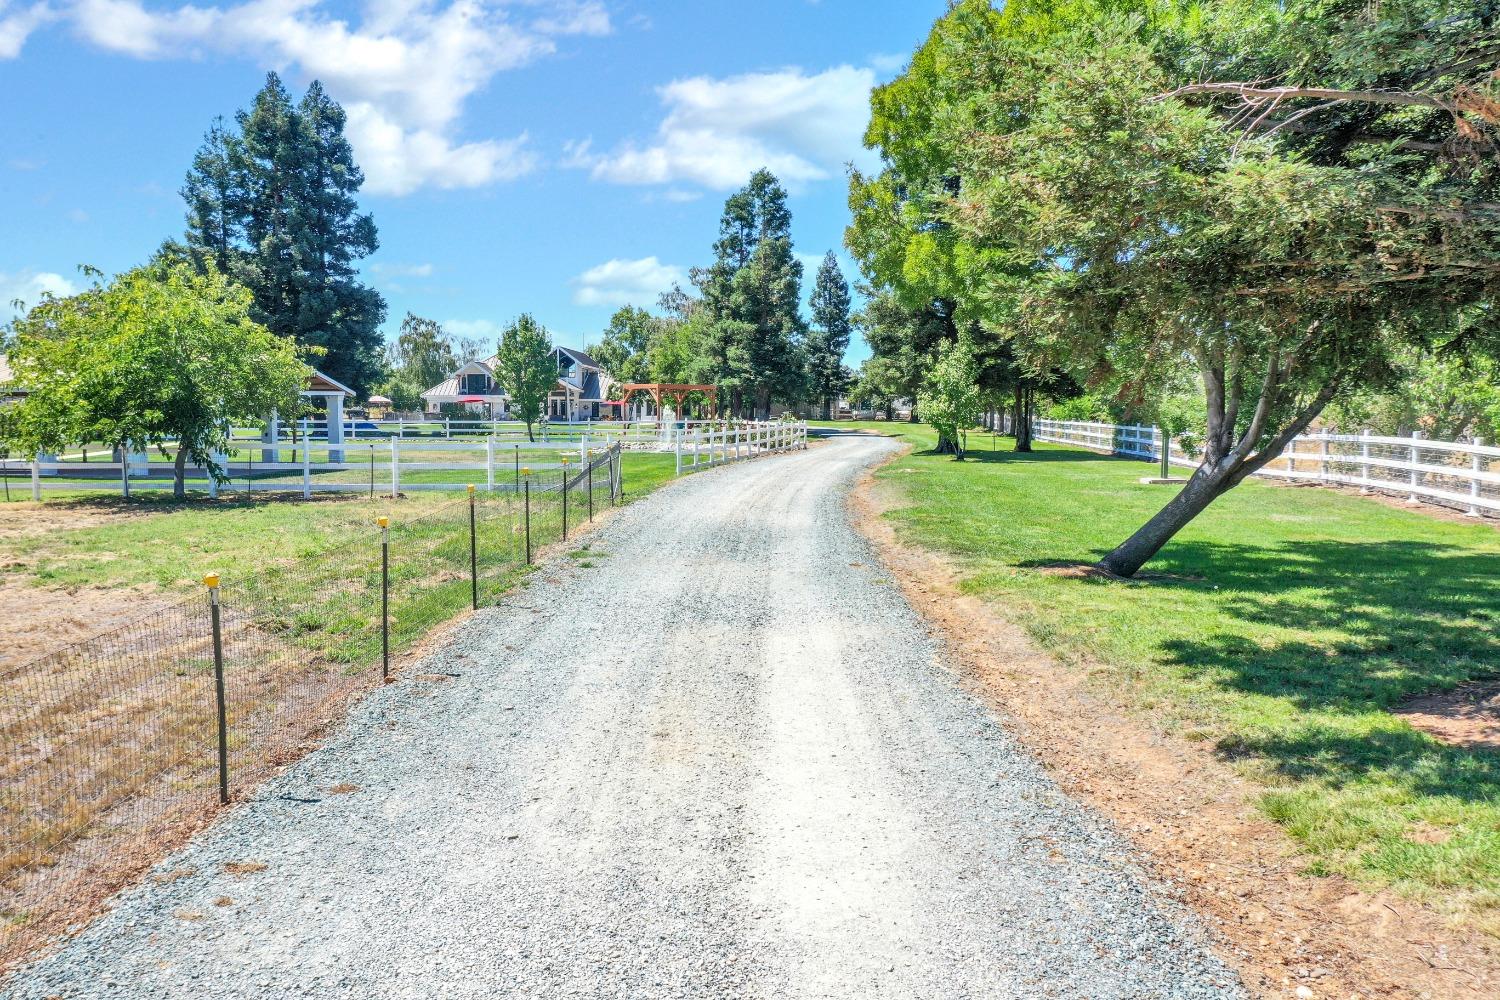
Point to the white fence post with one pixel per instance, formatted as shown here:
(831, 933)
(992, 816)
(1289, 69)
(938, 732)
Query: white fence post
(1415, 478)
(306, 466)
(1323, 455)
(1364, 458)
(36, 480)
(489, 463)
(1477, 467)
(395, 467)
(677, 447)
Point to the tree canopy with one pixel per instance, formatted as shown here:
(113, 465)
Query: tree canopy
(271, 204)
(162, 354)
(1275, 196)
(525, 370)
(829, 334)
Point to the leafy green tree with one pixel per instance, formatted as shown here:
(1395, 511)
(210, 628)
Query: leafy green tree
(950, 398)
(625, 350)
(878, 385)
(160, 355)
(1114, 183)
(424, 353)
(272, 204)
(829, 336)
(755, 285)
(525, 369)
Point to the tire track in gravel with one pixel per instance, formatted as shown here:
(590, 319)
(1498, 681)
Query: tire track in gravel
(726, 760)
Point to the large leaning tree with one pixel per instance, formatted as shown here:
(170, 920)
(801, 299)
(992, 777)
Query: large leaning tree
(1277, 195)
(161, 355)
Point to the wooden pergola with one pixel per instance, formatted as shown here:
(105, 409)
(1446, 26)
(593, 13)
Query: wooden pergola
(677, 393)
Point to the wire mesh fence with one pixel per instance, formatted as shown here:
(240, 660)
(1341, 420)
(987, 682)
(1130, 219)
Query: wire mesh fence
(114, 747)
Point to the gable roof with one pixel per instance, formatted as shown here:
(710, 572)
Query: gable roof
(578, 356)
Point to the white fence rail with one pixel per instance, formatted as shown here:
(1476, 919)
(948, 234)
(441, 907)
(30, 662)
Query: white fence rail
(301, 460)
(1451, 473)
(704, 445)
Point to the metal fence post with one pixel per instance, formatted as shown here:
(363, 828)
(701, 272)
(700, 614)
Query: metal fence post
(473, 555)
(565, 497)
(590, 460)
(527, 487)
(385, 597)
(212, 583)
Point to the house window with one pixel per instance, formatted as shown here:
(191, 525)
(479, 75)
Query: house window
(476, 384)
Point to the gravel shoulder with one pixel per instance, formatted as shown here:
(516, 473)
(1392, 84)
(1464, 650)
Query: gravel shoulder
(719, 756)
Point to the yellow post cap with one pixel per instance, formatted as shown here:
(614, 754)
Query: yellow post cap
(525, 470)
(211, 581)
(471, 487)
(383, 521)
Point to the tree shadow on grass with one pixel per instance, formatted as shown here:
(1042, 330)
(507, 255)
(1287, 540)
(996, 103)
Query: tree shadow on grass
(1407, 617)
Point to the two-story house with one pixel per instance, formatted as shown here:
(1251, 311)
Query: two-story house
(580, 394)
(472, 386)
(582, 387)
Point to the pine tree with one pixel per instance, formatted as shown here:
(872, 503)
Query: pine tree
(274, 207)
(755, 281)
(329, 235)
(215, 196)
(829, 337)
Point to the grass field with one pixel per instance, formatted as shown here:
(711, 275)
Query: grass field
(1280, 627)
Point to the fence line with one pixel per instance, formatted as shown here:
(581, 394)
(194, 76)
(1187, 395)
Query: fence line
(108, 745)
(1449, 473)
(710, 443)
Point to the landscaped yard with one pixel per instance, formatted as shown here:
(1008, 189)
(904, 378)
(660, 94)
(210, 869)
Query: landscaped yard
(1281, 628)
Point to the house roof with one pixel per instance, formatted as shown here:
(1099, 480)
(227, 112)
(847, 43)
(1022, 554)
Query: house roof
(578, 356)
(447, 387)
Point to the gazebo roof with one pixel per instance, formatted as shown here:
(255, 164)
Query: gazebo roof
(319, 384)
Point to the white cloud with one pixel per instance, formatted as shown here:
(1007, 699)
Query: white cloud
(625, 282)
(718, 131)
(17, 23)
(393, 270)
(397, 160)
(28, 286)
(403, 72)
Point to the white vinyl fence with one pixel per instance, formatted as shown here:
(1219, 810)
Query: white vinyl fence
(1451, 473)
(705, 444)
(387, 459)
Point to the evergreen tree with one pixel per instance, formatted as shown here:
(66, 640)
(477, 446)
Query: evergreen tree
(274, 207)
(755, 282)
(829, 337)
(215, 196)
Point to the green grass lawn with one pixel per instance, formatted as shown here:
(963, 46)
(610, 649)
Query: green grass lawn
(1280, 627)
(171, 544)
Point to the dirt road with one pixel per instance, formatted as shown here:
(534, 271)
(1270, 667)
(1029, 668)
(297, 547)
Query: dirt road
(717, 755)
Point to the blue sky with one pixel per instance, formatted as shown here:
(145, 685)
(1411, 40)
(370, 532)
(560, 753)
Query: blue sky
(553, 156)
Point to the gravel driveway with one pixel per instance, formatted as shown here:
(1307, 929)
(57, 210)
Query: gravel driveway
(721, 756)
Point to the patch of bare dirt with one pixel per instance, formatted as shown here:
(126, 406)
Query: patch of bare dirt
(1468, 716)
(1288, 934)
(29, 520)
(37, 620)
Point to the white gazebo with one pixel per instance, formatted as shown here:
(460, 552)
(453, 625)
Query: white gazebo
(332, 392)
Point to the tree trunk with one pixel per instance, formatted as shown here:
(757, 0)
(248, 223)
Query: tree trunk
(827, 408)
(179, 473)
(1023, 419)
(530, 436)
(1202, 489)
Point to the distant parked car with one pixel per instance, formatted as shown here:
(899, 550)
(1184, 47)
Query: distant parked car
(366, 429)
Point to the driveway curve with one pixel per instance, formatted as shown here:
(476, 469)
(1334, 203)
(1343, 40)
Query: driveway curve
(720, 756)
